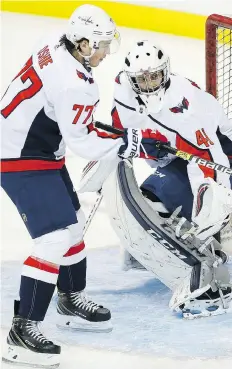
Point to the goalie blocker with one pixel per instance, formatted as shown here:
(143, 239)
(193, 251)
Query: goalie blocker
(193, 269)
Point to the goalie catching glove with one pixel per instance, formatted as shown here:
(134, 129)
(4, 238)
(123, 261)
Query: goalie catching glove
(142, 144)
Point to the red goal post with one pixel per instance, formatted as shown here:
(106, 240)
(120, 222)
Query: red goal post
(219, 59)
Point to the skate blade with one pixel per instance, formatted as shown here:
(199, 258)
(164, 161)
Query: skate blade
(23, 357)
(190, 315)
(79, 324)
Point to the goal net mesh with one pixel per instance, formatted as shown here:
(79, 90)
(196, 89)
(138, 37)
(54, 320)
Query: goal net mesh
(224, 68)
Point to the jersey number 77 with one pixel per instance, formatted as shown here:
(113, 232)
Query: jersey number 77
(28, 73)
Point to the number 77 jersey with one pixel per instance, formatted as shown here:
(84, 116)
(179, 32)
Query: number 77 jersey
(48, 105)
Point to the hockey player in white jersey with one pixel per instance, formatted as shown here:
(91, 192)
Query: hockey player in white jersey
(147, 95)
(49, 105)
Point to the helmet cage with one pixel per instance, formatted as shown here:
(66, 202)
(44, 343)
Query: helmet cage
(149, 78)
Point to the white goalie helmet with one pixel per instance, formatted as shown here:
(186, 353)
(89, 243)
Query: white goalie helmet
(94, 24)
(148, 70)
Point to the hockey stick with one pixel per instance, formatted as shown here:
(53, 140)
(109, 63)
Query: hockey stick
(92, 212)
(171, 150)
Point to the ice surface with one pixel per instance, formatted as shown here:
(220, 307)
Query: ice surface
(143, 324)
(140, 315)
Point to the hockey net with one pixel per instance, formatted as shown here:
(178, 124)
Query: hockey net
(219, 74)
(219, 60)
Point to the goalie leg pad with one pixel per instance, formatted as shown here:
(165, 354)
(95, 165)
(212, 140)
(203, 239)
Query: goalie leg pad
(141, 230)
(128, 261)
(212, 208)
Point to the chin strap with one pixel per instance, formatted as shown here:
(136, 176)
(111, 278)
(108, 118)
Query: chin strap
(148, 104)
(87, 65)
(86, 58)
(86, 61)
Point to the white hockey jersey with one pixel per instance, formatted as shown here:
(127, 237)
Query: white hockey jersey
(191, 119)
(49, 105)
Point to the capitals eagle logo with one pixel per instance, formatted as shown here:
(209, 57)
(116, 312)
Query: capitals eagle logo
(81, 75)
(180, 107)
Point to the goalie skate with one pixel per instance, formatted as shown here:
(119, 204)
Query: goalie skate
(201, 307)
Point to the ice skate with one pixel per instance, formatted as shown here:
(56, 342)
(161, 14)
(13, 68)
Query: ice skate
(77, 311)
(209, 304)
(27, 346)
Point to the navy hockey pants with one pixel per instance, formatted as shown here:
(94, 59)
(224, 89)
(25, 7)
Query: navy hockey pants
(45, 199)
(171, 186)
(46, 202)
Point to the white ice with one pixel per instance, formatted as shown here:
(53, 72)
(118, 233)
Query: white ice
(146, 335)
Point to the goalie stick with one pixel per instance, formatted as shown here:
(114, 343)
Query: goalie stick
(171, 150)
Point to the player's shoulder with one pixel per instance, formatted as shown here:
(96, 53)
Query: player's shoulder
(120, 78)
(183, 83)
(47, 59)
(122, 87)
(44, 52)
(74, 75)
(59, 70)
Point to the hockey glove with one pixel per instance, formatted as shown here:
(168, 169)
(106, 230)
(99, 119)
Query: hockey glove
(142, 144)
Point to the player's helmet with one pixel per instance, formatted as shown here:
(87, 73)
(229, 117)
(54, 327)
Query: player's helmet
(94, 24)
(148, 70)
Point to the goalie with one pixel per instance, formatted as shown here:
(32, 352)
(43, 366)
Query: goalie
(168, 226)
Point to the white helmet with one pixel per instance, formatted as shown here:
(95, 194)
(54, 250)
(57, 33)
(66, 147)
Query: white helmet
(148, 70)
(94, 24)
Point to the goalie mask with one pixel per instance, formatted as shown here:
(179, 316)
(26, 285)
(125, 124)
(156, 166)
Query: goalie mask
(148, 71)
(94, 24)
